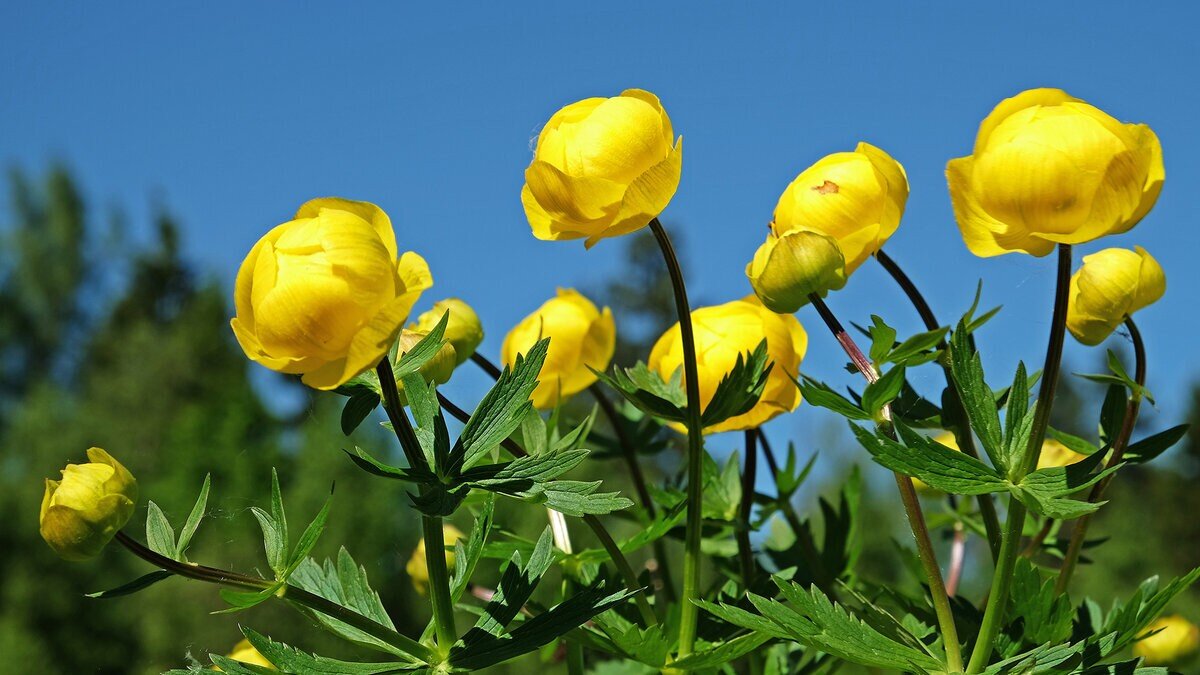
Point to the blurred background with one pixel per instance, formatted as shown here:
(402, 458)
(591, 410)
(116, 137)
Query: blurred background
(147, 147)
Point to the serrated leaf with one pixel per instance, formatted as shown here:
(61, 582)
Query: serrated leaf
(193, 520)
(916, 347)
(344, 583)
(160, 536)
(467, 556)
(421, 353)
(821, 395)
(940, 467)
(502, 409)
(418, 475)
(512, 592)
(1061, 481)
(883, 338)
(882, 391)
(980, 406)
(133, 586)
(722, 653)
(740, 388)
(360, 404)
(292, 660)
(648, 392)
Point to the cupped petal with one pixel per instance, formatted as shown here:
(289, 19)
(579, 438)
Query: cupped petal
(786, 270)
(1144, 137)
(1152, 282)
(578, 204)
(896, 180)
(414, 275)
(618, 141)
(646, 197)
(668, 133)
(984, 235)
(1026, 99)
(368, 347)
(371, 213)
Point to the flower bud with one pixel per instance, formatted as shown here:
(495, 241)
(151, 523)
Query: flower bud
(84, 510)
(857, 198)
(789, 268)
(418, 569)
(722, 334)
(245, 652)
(1111, 285)
(1050, 169)
(463, 329)
(436, 370)
(602, 167)
(581, 337)
(1177, 639)
(324, 296)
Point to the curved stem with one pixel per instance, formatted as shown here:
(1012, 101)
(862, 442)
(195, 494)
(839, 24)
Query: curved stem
(745, 553)
(908, 495)
(962, 435)
(1120, 445)
(292, 593)
(593, 523)
(993, 614)
(689, 611)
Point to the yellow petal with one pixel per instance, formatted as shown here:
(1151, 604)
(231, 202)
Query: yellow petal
(576, 204)
(646, 197)
(618, 141)
(369, 212)
(1009, 106)
(984, 235)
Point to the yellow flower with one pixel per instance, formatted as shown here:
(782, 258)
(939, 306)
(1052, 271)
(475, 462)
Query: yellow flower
(82, 512)
(723, 332)
(788, 268)
(418, 569)
(463, 329)
(1054, 454)
(581, 337)
(1047, 169)
(436, 370)
(857, 198)
(1177, 639)
(1111, 285)
(323, 296)
(602, 167)
(246, 653)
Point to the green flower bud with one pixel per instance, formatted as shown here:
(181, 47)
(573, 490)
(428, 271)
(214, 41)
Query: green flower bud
(788, 268)
(82, 512)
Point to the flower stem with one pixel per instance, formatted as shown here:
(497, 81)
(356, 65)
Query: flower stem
(1120, 445)
(689, 611)
(291, 593)
(993, 615)
(908, 495)
(745, 553)
(610, 546)
(962, 434)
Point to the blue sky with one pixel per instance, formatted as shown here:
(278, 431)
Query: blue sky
(235, 113)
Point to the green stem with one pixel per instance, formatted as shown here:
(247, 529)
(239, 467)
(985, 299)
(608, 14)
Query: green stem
(745, 553)
(993, 614)
(908, 495)
(289, 592)
(962, 433)
(1120, 445)
(689, 612)
(593, 523)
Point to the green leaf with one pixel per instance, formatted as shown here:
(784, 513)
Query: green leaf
(273, 541)
(722, 653)
(243, 600)
(430, 426)
(466, 557)
(421, 353)
(1046, 615)
(193, 520)
(1148, 448)
(882, 391)
(360, 404)
(292, 660)
(502, 409)
(940, 467)
(1073, 443)
(160, 537)
(648, 392)
(740, 388)
(1112, 412)
(309, 538)
(418, 475)
(821, 395)
(980, 405)
(915, 348)
(133, 586)
(1061, 481)
(523, 472)
(277, 513)
(512, 592)
(1129, 620)
(883, 338)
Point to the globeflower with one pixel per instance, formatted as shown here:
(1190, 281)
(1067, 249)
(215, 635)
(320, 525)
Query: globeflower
(324, 296)
(1177, 638)
(602, 167)
(788, 268)
(725, 332)
(463, 328)
(84, 510)
(856, 198)
(582, 338)
(418, 568)
(1111, 285)
(1049, 169)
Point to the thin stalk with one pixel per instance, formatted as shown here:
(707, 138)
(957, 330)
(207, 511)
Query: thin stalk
(1120, 445)
(962, 436)
(689, 611)
(745, 553)
(562, 539)
(289, 592)
(1010, 543)
(958, 556)
(593, 523)
(908, 495)
(395, 413)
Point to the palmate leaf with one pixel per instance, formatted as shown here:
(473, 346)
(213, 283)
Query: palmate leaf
(823, 396)
(501, 411)
(976, 396)
(532, 479)
(648, 392)
(1045, 491)
(344, 583)
(1128, 621)
(739, 390)
(1045, 615)
(938, 466)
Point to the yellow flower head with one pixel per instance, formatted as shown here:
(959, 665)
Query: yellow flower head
(1111, 285)
(602, 167)
(82, 512)
(1177, 639)
(857, 198)
(724, 332)
(418, 569)
(581, 337)
(788, 268)
(436, 370)
(245, 652)
(1054, 454)
(1050, 169)
(463, 328)
(324, 296)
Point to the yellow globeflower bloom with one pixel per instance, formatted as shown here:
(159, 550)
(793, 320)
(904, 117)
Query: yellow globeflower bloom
(602, 167)
(857, 198)
(1050, 169)
(463, 328)
(788, 268)
(418, 569)
(1111, 285)
(246, 653)
(581, 337)
(1177, 639)
(84, 510)
(724, 332)
(324, 296)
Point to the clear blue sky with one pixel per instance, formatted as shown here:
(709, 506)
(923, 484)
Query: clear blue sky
(237, 112)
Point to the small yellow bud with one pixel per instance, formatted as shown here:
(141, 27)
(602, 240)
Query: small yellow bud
(245, 652)
(1177, 639)
(581, 337)
(788, 268)
(463, 329)
(1111, 285)
(83, 511)
(418, 569)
